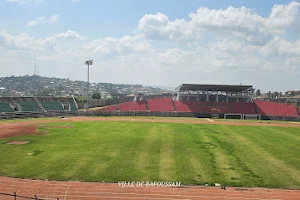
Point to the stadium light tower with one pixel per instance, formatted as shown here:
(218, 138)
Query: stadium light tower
(88, 63)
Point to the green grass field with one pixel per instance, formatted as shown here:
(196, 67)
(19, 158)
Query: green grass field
(139, 151)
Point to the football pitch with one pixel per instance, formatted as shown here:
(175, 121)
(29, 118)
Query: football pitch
(111, 151)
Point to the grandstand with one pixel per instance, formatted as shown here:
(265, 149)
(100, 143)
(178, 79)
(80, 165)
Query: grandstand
(160, 105)
(275, 109)
(187, 100)
(37, 104)
(132, 106)
(50, 104)
(29, 105)
(221, 101)
(4, 106)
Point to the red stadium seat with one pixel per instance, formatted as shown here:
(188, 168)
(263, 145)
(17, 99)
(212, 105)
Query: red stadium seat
(161, 105)
(132, 106)
(215, 107)
(109, 108)
(275, 109)
(186, 106)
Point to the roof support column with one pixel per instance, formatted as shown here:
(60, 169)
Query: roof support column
(188, 97)
(198, 96)
(217, 98)
(207, 96)
(178, 96)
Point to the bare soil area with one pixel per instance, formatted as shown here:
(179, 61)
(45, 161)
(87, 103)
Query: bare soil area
(12, 129)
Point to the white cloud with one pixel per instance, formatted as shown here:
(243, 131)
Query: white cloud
(43, 20)
(242, 47)
(159, 27)
(70, 35)
(123, 45)
(279, 46)
(232, 22)
(292, 63)
(25, 42)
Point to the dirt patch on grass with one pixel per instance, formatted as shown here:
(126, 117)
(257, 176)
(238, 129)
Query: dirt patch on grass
(209, 120)
(12, 129)
(187, 121)
(18, 142)
(9, 130)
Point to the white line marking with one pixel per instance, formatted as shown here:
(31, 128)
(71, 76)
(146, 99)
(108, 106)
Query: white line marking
(66, 194)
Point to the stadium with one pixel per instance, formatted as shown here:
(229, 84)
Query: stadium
(207, 101)
(201, 136)
(187, 100)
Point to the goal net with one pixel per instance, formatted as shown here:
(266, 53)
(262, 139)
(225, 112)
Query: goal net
(253, 116)
(233, 116)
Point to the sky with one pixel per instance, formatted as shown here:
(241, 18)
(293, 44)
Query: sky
(157, 42)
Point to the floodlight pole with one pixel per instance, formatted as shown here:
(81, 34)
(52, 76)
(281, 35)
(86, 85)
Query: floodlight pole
(88, 63)
(88, 86)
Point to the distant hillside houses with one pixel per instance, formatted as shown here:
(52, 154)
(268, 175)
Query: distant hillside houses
(63, 87)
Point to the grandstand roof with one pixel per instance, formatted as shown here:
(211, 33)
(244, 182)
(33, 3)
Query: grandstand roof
(209, 87)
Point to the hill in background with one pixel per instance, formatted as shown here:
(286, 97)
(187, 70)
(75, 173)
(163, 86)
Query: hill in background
(46, 86)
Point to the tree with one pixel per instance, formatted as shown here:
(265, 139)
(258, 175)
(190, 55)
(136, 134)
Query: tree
(258, 93)
(96, 95)
(293, 93)
(276, 94)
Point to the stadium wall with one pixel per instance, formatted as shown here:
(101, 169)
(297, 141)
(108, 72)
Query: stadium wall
(131, 113)
(100, 103)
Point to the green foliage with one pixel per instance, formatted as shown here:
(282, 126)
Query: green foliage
(247, 156)
(96, 95)
(258, 93)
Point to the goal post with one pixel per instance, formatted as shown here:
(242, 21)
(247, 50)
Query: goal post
(252, 116)
(233, 116)
(242, 116)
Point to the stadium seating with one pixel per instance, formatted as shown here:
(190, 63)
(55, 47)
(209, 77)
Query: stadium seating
(242, 108)
(36, 104)
(168, 105)
(161, 104)
(52, 105)
(186, 106)
(275, 109)
(30, 106)
(72, 105)
(213, 107)
(4, 107)
(132, 106)
(109, 108)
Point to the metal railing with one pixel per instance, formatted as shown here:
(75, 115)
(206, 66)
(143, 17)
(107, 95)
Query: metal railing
(15, 197)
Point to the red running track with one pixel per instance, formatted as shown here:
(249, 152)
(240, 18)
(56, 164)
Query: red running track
(111, 191)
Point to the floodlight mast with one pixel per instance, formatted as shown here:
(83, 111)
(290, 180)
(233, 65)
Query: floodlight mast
(88, 63)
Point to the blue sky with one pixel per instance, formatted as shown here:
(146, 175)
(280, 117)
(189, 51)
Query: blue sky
(113, 18)
(155, 42)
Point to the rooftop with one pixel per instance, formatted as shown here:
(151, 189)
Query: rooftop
(211, 87)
